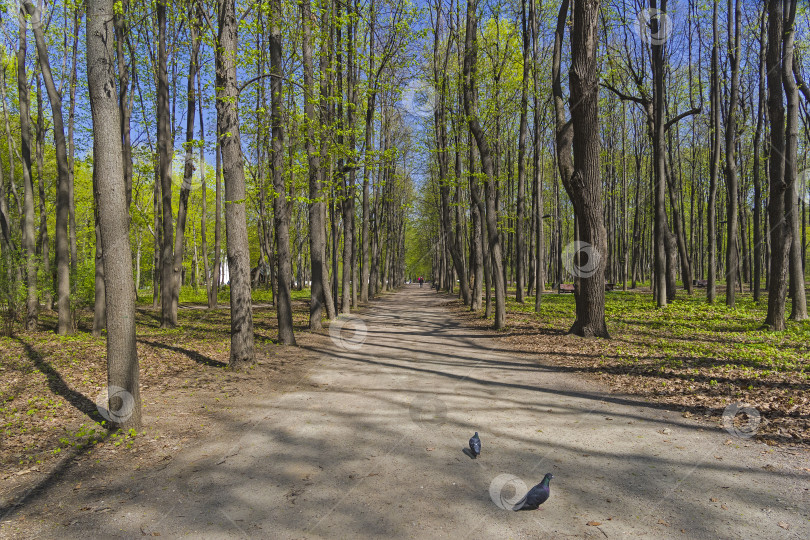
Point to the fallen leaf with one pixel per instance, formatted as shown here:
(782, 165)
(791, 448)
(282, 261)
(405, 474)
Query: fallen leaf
(784, 525)
(713, 499)
(594, 523)
(431, 449)
(724, 507)
(662, 522)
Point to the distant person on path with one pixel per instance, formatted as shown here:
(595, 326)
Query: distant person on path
(421, 281)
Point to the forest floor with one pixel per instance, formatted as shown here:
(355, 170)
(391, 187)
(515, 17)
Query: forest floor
(360, 431)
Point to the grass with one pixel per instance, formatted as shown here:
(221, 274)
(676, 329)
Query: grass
(691, 354)
(49, 383)
(690, 327)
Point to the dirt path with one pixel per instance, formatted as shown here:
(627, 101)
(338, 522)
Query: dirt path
(372, 446)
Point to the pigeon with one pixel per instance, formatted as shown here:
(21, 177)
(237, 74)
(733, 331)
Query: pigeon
(475, 445)
(536, 496)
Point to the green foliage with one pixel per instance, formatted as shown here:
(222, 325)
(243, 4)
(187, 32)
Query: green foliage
(690, 330)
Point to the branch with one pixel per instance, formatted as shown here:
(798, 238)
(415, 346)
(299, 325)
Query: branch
(625, 97)
(696, 110)
(797, 74)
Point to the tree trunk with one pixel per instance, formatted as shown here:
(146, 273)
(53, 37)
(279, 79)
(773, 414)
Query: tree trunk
(349, 174)
(711, 225)
(281, 211)
(43, 242)
(520, 246)
(659, 163)
(732, 250)
(758, 160)
(28, 244)
(477, 211)
(168, 316)
(538, 166)
(470, 109)
(124, 104)
(203, 195)
(585, 184)
(796, 267)
(188, 169)
(780, 231)
(242, 345)
(71, 144)
(122, 356)
(64, 323)
(317, 235)
(213, 291)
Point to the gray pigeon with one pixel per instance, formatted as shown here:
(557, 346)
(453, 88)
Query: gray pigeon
(536, 496)
(475, 445)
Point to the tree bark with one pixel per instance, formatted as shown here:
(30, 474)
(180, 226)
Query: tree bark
(520, 246)
(122, 357)
(168, 317)
(71, 144)
(758, 160)
(64, 322)
(203, 195)
(281, 211)
(780, 231)
(798, 310)
(317, 233)
(213, 291)
(732, 251)
(242, 341)
(43, 242)
(28, 243)
(538, 165)
(585, 184)
(470, 109)
(659, 162)
(124, 101)
(188, 169)
(711, 225)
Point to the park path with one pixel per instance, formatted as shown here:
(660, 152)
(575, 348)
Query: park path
(372, 446)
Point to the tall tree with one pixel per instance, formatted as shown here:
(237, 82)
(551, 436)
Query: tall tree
(780, 232)
(758, 156)
(734, 54)
(281, 210)
(658, 47)
(28, 244)
(585, 183)
(122, 356)
(470, 109)
(441, 55)
(165, 143)
(188, 169)
(714, 170)
(538, 163)
(798, 310)
(242, 341)
(63, 203)
(317, 232)
(520, 246)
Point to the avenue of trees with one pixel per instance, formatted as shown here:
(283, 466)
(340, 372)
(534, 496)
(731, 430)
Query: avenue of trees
(623, 142)
(158, 147)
